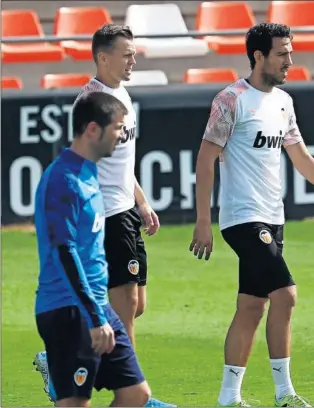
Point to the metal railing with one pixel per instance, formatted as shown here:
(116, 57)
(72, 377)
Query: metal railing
(193, 34)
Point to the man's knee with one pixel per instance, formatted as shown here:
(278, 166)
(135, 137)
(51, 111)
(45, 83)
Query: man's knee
(251, 307)
(140, 309)
(124, 300)
(132, 299)
(284, 297)
(134, 396)
(141, 305)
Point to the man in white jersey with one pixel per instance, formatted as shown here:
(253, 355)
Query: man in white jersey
(249, 122)
(114, 55)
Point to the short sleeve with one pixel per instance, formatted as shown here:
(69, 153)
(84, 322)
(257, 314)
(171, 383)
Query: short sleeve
(222, 118)
(62, 204)
(293, 134)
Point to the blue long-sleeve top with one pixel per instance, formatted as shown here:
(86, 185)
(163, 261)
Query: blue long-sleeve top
(70, 220)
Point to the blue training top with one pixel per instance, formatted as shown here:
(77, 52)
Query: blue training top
(70, 220)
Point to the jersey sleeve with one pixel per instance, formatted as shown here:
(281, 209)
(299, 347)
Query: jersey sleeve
(91, 86)
(222, 118)
(62, 209)
(293, 134)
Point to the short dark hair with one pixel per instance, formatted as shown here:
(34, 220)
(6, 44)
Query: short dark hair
(260, 38)
(105, 37)
(98, 107)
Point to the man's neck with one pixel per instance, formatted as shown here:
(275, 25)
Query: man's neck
(78, 148)
(256, 81)
(106, 80)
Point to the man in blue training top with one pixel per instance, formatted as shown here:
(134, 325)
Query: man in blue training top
(87, 345)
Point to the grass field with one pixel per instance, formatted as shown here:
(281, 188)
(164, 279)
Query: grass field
(180, 337)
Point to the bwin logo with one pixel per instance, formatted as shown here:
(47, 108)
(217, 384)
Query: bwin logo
(99, 223)
(272, 142)
(129, 134)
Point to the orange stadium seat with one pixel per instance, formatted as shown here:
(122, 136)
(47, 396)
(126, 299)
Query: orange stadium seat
(71, 21)
(218, 15)
(293, 14)
(11, 83)
(298, 73)
(16, 23)
(50, 81)
(198, 76)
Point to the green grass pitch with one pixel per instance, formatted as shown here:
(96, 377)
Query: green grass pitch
(180, 337)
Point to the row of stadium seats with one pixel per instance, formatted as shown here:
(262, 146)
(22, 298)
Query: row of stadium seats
(142, 78)
(146, 20)
(49, 81)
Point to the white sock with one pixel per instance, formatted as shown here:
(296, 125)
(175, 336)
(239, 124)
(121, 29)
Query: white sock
(281, 375)
(231, 385)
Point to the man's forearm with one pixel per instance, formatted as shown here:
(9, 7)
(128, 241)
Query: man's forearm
(204, 187)
(307, 169)
(68, 260)
(139, 194)
(302, 160)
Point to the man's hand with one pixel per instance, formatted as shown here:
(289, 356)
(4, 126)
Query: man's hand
(103, 340)
(151, 221)
(202, 240)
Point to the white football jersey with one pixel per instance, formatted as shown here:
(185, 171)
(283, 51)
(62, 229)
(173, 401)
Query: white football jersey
(116, 173)
(251, 126)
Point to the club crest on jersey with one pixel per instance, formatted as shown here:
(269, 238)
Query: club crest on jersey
(265, 236)
(133, 267)
(80, 376)
(283, 113)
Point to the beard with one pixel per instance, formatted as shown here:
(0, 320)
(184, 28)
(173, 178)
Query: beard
(271, 79)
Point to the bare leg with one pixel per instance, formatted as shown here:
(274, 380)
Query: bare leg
(141, 305)
(134, 396)
(124, 300)
(238, 345)
(278, 334)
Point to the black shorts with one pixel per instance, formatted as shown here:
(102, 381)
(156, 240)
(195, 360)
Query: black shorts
(125, 249)
(74, 368)
(262, 268)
